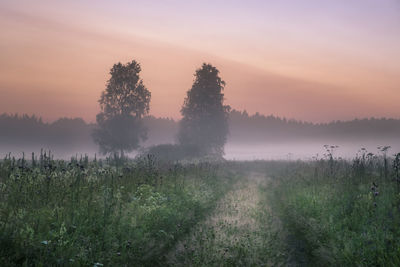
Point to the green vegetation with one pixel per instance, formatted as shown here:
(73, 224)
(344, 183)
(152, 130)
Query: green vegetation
(98, 213)
(337, 212)
(145, 212)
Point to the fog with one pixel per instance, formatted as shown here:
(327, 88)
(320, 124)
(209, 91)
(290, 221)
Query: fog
(251, 137)
(233, 151)
(303, 150)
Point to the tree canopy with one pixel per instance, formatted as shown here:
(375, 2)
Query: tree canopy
(205, 117)
(123, 104)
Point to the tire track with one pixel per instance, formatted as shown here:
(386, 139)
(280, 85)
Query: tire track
(234, 234)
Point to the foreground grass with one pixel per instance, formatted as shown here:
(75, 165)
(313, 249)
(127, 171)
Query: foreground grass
(328, 212)
(82, 213)
(338, 213)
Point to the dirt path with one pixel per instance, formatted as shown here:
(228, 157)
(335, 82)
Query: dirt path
(237, 233)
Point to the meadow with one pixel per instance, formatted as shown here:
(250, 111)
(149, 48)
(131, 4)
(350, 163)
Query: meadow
(146, 212)
(339, 212)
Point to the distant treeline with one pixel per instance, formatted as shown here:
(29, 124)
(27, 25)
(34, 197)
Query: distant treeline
(23, 132)
(29, 133)
(260, 128)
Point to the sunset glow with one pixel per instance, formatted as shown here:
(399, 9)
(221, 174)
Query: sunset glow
(308, 60)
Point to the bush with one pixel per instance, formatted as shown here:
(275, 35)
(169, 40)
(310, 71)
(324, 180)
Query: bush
(173, 152)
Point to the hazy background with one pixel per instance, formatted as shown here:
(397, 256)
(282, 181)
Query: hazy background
(251, 136)
(307, 60)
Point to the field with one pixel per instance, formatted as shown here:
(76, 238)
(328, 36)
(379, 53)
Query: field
(146, 212)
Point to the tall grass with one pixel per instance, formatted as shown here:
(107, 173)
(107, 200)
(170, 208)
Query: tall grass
(340, 212)
(81, 212)
(101, 212)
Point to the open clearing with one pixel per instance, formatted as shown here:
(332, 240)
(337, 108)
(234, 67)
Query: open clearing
(142, 213)
(239, 232)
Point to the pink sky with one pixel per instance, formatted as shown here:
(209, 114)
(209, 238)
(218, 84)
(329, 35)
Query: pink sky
(309, 60)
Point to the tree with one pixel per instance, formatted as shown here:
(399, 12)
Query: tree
(205, 117)
(123, 104)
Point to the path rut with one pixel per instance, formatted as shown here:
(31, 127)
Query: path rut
(237, 233)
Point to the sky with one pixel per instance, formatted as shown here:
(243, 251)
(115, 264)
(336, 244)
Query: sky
(309, 60)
